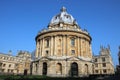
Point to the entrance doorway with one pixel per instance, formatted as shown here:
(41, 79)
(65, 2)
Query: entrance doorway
(25, 72)
(74, 69)
(44, 68)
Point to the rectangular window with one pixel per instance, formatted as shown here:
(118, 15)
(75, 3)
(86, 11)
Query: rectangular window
(104, 71)
(104, 64)
(96, 71)
(103, 59)
(4, 65)
(47, 43)
(95, 59)
(0, 64)
(47, 52)
(72, 51)
(9, 65)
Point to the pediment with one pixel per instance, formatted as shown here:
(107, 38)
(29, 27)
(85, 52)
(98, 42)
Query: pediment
(44, 59)
(73, 59)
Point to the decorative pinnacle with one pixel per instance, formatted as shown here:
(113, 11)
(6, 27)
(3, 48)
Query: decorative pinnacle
(63, 9)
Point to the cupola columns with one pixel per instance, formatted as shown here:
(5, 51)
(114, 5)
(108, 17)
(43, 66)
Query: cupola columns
(63, 9)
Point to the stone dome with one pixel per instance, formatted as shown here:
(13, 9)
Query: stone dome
(64, 17)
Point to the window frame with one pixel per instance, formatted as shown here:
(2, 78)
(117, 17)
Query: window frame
(72, 52)
(72, 41)
(104, 65)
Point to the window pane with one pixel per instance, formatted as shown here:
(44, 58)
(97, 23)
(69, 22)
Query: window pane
(72, 51)
(103, 59)
(95, 59)
(72, 42)
(104, 64)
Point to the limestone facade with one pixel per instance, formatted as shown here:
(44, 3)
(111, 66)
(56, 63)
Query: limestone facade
(63, 49)
(103, 63)
(19, 64)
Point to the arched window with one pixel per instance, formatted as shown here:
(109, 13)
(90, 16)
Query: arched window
(74, 69)
(44, 68)
(72, 42)
(36, 68)
(47, 43)
(59, 68)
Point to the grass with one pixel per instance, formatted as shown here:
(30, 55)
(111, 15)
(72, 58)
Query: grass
(35, 77)
(21, 77)
(38, 77)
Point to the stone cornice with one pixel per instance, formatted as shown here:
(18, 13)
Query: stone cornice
(63, 30)
(64, 58)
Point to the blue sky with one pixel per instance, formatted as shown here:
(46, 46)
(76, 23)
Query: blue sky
(20, 21)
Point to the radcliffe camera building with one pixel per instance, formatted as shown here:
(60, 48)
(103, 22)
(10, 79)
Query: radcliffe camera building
(63, 49)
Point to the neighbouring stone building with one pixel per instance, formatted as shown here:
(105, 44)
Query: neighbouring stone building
(19, 64)
(103, 63)
(63, 49)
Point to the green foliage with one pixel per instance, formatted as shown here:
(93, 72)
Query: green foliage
(22, 77)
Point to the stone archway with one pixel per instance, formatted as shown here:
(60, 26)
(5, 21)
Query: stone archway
(58, 68)
(86, 69)
(25, 72)
(44, 70)
(74, 69)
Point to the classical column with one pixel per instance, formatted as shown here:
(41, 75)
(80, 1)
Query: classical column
(67, 46)
(90, 51)
(78, 47)
(63, 45)
(56, 37)
(51, 46)
(43, 47)
(81, 50)
(54, 45)
(37, 48)
(40, 45)
(87, 48)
